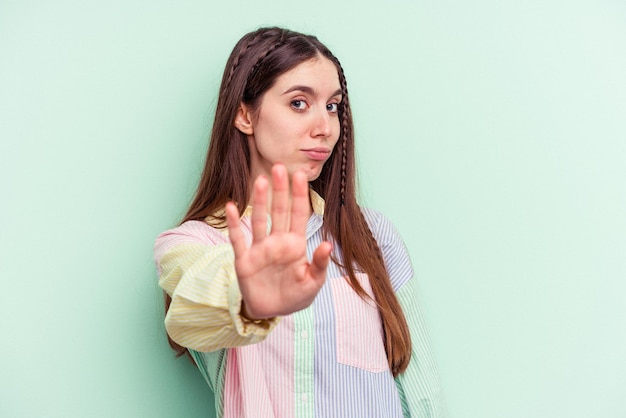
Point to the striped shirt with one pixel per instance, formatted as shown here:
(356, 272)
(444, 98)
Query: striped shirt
(327, 360)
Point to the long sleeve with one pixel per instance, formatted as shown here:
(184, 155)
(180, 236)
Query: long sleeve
(419, 387)
(196, 268)
(419, 384)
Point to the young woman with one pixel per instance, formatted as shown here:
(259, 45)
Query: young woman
(292, 300)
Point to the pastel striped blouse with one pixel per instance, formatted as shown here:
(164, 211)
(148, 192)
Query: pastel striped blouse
(327, 360)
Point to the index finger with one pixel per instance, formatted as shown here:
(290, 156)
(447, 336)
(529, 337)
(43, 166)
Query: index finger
(300, 205)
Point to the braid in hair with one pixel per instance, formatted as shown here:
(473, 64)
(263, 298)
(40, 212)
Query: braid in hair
(344, 129)
(242, 52)
(263, 56)
(255, 39)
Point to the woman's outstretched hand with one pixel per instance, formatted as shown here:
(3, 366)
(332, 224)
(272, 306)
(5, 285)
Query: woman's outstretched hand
(275, 276)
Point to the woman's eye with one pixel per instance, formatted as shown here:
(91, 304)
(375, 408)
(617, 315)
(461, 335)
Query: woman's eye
(298, 104)
(332, 107)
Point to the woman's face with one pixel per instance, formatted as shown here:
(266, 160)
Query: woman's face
(297, 122)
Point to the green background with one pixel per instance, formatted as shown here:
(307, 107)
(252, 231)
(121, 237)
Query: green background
(491, 132)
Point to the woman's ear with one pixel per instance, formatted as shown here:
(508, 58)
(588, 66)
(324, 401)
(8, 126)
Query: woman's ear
(243, 120)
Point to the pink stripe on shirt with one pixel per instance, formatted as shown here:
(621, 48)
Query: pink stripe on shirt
(265, 386)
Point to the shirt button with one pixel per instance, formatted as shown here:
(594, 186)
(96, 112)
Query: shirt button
(304, 335)
(304, 397)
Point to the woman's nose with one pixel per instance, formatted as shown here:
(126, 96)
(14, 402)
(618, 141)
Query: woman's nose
(322, 125)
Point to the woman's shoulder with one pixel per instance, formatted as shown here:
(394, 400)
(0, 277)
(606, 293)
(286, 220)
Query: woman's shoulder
(379, 224)
(190, 232)
(392, 246)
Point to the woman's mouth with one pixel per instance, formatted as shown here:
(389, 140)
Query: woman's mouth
(317, 153)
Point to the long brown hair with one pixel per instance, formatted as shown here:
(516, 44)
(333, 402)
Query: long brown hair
(253, 66)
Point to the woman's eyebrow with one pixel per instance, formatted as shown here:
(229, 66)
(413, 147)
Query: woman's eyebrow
(309, 90)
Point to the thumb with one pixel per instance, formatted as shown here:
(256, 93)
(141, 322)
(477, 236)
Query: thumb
(319, 263)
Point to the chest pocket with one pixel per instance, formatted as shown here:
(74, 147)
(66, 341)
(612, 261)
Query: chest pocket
(359, 332)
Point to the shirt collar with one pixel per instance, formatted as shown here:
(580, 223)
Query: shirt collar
(317, 203)
(218, 220)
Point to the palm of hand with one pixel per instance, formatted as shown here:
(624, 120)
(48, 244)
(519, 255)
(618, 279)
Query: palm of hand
(275, 276)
